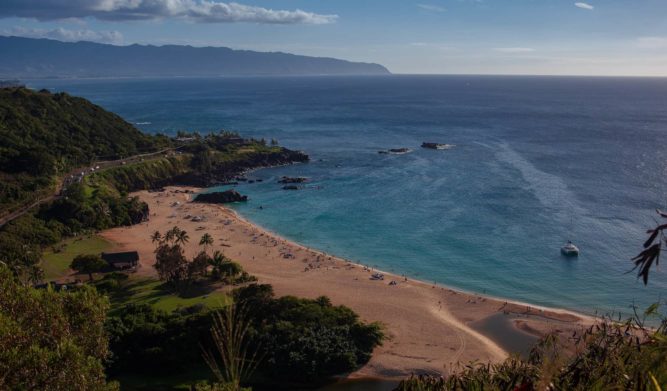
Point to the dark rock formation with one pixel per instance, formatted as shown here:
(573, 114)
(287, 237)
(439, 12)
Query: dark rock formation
(395, 151)
(399, 150)
(287, 179)
(226, 172)
(436, 146)
(221, 197)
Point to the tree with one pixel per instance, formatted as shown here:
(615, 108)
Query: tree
(201, 159)
(170, 263)
(51, 340)
(206, 240)
(156, 238)
(217, 262)
(146, 340)
(198, 265)
(230, 269)
(182, 237)
(171, 235)
(305, 340)
(88, 263)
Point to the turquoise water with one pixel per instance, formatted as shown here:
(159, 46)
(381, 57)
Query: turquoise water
(537, 161)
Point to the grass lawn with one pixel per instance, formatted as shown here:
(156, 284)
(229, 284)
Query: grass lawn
(139, 290)
(56, 265)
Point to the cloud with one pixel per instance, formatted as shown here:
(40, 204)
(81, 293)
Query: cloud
(432, 7)
(433, 46)
(62, 34)
(585, 6)
(514, 50)
(652, 42)
(200, 11)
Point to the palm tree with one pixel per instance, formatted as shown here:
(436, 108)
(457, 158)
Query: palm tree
(206, 240)
(172, 234)
(156, 237)
(217, 262)
(182, 237)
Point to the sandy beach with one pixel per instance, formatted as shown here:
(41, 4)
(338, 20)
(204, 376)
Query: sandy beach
(429, 328)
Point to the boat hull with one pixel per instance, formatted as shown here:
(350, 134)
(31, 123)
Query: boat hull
(569, 253)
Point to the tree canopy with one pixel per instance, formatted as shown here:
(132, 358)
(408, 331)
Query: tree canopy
(88, 263)
(51, 340)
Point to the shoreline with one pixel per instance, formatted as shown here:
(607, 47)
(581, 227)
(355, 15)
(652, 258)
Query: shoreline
(427, 326)
(563, 311)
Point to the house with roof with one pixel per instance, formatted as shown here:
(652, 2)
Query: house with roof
(122, 260)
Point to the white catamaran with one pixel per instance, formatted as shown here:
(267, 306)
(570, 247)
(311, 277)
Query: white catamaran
(569, 250)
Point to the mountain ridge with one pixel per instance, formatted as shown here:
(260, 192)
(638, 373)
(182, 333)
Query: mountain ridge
(47, 58)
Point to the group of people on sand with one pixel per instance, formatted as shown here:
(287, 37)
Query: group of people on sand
(312, 259)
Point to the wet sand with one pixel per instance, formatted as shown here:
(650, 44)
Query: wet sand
(428, 326)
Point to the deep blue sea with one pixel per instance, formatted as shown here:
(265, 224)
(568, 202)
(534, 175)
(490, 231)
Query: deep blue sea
(538, 161)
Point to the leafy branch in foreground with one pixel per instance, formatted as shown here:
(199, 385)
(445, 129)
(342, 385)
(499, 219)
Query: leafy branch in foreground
(652, 249)
(238, 361)
(51, 340)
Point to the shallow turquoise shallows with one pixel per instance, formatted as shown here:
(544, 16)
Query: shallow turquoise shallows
(537, 161)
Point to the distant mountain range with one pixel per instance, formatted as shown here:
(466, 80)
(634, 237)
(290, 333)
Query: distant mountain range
(45, 58)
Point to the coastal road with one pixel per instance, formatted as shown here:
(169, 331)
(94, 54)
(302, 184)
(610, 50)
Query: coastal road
(67, 179)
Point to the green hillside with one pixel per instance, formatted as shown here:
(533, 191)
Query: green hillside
(47, 139)
(44, 136)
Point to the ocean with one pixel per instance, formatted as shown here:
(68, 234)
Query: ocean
(537, 161)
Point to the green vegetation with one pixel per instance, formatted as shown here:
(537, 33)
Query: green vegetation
(235, 359)
(609, 356)
(89, 264)
(288, 339)
(44, 136)
(303, 340)
(146, 340)
(155, 327)
(139, 291)
(141, 175)
(23, 240)
(180, 274)
(56, 261)
(51, 340)
(652, 248)
(47, 142)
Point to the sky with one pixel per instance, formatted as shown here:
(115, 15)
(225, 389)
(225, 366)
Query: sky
(534, 37)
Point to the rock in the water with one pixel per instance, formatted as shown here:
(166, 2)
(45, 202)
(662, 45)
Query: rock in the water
(221, 197)
(287, 179)
(291, 187)
(399, 150)
(436, 145)
(395, 151)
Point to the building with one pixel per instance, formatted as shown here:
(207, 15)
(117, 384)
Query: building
(122, 260)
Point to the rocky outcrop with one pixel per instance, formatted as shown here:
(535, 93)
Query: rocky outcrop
(395, 151)
(436, 146)
(228, 171)
(287, 179)
(221, 197)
